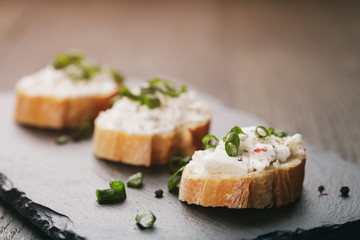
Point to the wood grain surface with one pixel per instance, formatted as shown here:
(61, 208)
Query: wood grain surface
(295, 65)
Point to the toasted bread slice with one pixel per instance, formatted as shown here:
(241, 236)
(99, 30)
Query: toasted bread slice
(57, 113)
(274, 186)
(146, 150)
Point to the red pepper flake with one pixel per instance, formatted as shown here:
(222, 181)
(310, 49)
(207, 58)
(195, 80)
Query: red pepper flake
(260, 149)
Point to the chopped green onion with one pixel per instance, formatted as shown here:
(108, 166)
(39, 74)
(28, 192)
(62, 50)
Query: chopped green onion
(210, 141)
(62, 140)
(135, 180)
(113, 100)
(281, 134)
(261, 131)
(125, 92)
(175, 179)
(116, 76)
(236, 130)
(167, 87)
(150, 100)
(145, 219)
(232, 144)
(89, 71)
(107, 195)
(64, 60)
(85, 130)
(178, 162)
(271, 131)
(119, 188)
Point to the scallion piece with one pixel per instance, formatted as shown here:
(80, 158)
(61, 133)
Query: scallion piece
(232, 144)
(175, 179)
(85, 130)
(261, 131)
(281, 134)
(145, 219)
(106, 195)
(150, 100)
(64, 60)
(62, 140)
(119, 188)
(116, 76)
(167, 87)
(271, 131)
(89, 71)
(125, 92)
(135, 180)
(236, 130)
(178, 162)
(210, 141)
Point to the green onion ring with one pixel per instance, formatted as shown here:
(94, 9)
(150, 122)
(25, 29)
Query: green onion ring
(262, 128)
(172, 182)
(281, 134)
(232, 144)
(135, 180)
(145, 219)
(207, 141)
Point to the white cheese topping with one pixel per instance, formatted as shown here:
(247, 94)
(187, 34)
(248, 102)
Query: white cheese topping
(56, 83)
(131, 117)
(255, 154)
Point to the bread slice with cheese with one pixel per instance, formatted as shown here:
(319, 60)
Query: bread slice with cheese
(267, 172)
(65, 94)
(138, 134)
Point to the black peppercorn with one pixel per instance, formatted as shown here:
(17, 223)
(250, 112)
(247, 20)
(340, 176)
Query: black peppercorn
(344, 191)
(159, 193)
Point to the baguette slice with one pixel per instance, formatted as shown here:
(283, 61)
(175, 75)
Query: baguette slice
(147, 150)
(274, 186)
(58, 113)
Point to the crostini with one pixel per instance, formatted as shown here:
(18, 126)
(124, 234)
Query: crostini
(252, 167)
(159, 120)
(65, 94)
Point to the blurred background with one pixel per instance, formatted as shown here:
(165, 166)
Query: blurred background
(296, 65)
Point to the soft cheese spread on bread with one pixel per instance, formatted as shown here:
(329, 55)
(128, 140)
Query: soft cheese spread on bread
(255, 154)
(57, 83)
(132, 117)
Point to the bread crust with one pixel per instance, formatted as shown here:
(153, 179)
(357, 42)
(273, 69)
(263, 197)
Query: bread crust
(275, 186)
(147, 150)
(58, 113)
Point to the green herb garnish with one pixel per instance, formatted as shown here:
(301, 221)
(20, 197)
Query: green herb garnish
(167, 87)
(64, 60)
(119, 188)
(150, 100)
(210, 141)
(232, 144)
(135, 180)
(175, 179)
(118, 77)
(280, 134)
(62, 140)
(236, 130)
(145, 219)
(84, 130)
(178, 162)
(261, 131)
(115, 193)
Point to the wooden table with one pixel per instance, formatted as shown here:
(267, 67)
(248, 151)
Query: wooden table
(296, 66)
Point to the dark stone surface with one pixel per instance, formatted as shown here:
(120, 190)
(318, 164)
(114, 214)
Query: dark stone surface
(64, 179)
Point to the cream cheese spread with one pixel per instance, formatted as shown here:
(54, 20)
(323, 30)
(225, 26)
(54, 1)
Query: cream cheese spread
(255, 154)
(132, 117)
(56, 83)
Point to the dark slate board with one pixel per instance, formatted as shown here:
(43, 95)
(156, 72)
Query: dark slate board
(64, 179)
